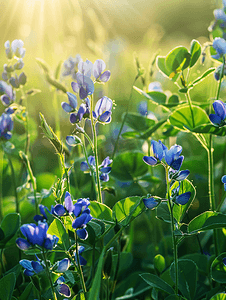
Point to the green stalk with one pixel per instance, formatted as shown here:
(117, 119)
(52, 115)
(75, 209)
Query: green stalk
(95, 152)
(33, 179)
(1, 182)
(170, 204)
(49, 275)
(222, 75)
(27, 145)
(191, 109)
(56, 109)
(79, 268)
(65, 171)
(14, 184)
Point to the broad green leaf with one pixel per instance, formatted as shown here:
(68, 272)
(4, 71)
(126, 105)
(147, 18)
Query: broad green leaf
(100, 211)
(94, 230)
(131, 295)
(200, 260)
(218, 269)
(7, 284)
(126, 260)
(173, 99)
(187, 277)
(181, 118)
(95, 288)
(58, 229)
(195, 51)
(158, 283)
(138, 122)
(162, 212)
(221, 296)
(127, 209)
(128, 166)
(177, 60)
(10, 224)
(28, 293)
(161, 63)
(204, 75)
(180, 210)
(158, 97)
(207, 220)
(175, 297)
(209, 128)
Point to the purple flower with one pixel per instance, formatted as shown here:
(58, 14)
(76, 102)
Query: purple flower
(85, 166)
(220, 113)
(63, 265)
(103, 110)
(158, 149)
(61, 210)
(70, 66)
(82, 260)
(98, 68)
(72, 103)
(8, 96)
(84, 85)
(31, 267)
(6, 125)
(85, 67)
(219, 14)
(36, 235)
(219, 44)
(62, 288)
(105, 169)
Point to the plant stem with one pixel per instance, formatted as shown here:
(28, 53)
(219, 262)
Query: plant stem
(27, 145)
(170, 204)
(95, 152)
(65, 172)
(57, 110)
(191, 109)
(14, 184)
(79, 266)
(123, 121)
(222, 75)
(49, 275)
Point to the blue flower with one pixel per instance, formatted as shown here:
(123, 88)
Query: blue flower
(82, 260)
(173, 158)
(31, 267)
(36, 235)
(61, 210)
(218, 72)
(158, 149)
(98, 68)
(72, 103)
(61, 287)
(151, 202)
(183, 199)
(6, 125)
(15, 49)
(70, 65)
(85, 166)
(223, 180)
(178, 176)
(155, 87)
(63, 265)
(220, 113)
(219, 44)
(219, 14)
(103, 110)
(85, 67)
(43, 216)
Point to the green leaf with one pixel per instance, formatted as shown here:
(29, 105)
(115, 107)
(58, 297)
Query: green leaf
(128, 209)
(200, 260)
(158, 97)
(128, 166)
(7, 284)
(100, 211)
(218, 269)
(95, 289)
(10, 224)
(177, 60)
(156, 282)
(162, 212)
(187, 277)
(181, 118)
(175, 297)
(221, 296)
(138, 122)
(28, 293)
(207, 220)
(131, 135)
(209, 128)
(204, 75)
(57, 228)
(173, 99)
(195, 51)
(43, 65)
(56, 83)
(58, 68)
(180, 210)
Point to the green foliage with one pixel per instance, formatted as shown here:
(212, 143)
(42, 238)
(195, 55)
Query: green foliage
(58, 229)
(158, 283)
(9, 227)
(138, 122)
(7, 284)
(207, 220)
(218, 269)
(195, 50)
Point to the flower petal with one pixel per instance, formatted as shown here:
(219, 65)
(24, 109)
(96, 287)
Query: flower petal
(183, 198)
(216, 120)
(150, 202)
(219, 109)
(23, 244)
(150, 160)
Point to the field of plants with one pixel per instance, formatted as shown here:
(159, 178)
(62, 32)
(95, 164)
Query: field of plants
(112, 150)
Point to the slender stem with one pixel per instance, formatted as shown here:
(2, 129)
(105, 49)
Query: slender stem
(79, 266)
(1, 182)
(65, 172)
(14, 184)
(191, 109)
(211, 174)
(222, 75)
(170, 204)
(49, 275)
(123, 121)
(57, 110)
(95, 152)
(27, 145)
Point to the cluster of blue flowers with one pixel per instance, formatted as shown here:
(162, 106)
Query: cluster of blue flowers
(6, 124)
(218, 119)
(104, 167)
(173, 160)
